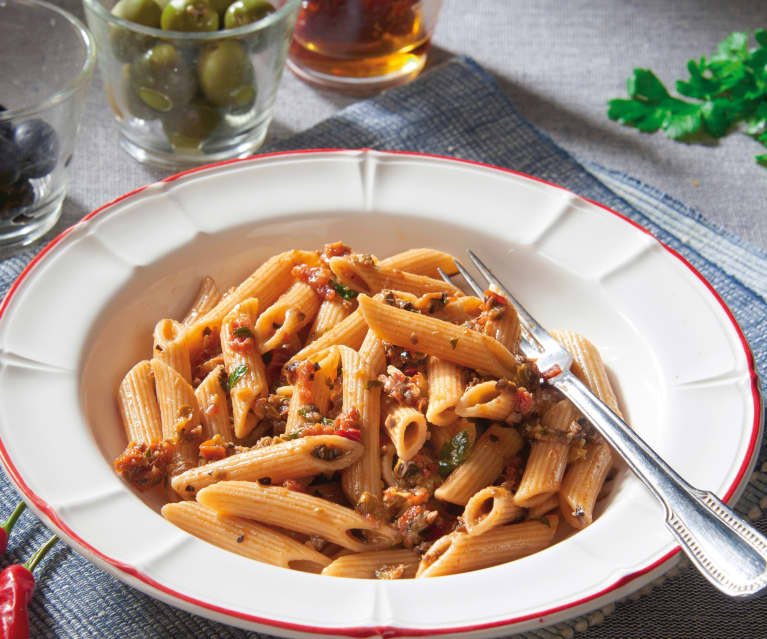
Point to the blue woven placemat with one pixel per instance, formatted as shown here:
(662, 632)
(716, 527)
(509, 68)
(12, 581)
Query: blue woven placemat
(455, 110)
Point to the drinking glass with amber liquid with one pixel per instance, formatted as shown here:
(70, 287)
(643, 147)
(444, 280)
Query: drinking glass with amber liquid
(362, 45)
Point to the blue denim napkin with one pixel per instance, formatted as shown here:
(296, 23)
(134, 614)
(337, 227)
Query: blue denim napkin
(456, 110)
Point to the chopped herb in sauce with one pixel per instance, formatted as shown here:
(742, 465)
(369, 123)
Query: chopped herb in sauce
(243, 331)
(344, 291)
(372, 383)
(240, 539)
(454, 342)
(236, 375)
(267, 357)
(454, 453)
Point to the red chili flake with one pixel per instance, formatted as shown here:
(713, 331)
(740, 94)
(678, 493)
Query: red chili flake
(551, 372)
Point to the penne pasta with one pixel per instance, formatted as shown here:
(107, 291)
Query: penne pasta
(349, 332)
(460, 552)
(490, 507)
(548, 458)
(246, 538)
(302, 457)
(441, 339)
(407, 430)
(330, 314)
(179, 414)
(244, 366)
(295, 510)
(363, 273)
(207, 298)
(214, 410)
(422, 261)
(377, 564)
(138, 405)
(446, 384)
(170, 347)
(584, 478)
(287, 316)
(486, 401)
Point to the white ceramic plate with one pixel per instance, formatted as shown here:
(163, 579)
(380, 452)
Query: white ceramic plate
(83, 311)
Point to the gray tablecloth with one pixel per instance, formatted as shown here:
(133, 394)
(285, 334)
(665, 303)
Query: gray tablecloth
(558, 63)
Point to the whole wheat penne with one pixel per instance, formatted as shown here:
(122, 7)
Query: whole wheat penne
(349, 332)
(387, 464)
(207, 298)
(247, 374)
(548, 458)
(266, 284)
(490, 507)
(485, 400)
(364, 475)
(294, 510)
(444, 340)
(362, 273)
(330, 313)
(584, 478)
(214, 410)
(376, 564)
(170, 347)
(446, 384)
(502, 320)
(179, 413)
(544, 508)
(422, 261)
(312, 395)
(302, 457)
(289, 314)
(407, 430)
(460, 552)
(138, 405)
(484, 464)
(246, 538)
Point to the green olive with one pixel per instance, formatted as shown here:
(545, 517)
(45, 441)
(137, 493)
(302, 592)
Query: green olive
(225, 74)
(145, 12)
(190, 126)
(189, 15)
(127, 44)
(162, 79)
(242, 12)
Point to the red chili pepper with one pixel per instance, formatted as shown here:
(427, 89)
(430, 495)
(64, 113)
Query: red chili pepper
(17, 584)
(5, 529)
(350, 433)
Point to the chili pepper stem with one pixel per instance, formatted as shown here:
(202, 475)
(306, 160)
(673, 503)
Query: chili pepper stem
(41, 552)
(14, 516)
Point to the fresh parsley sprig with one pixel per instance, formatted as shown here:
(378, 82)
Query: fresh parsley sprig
(730, 88)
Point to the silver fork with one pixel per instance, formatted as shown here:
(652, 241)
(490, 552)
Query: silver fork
(729, 552)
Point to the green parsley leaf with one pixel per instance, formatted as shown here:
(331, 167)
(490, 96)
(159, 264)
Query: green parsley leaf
(236, 375)
(727, 88)
(243, 331)
(453, 453)
(326, 421)
(344, 291)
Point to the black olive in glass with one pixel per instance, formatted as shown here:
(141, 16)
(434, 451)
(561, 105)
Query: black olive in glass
(242, 12)
(10, 162)
(6, 126)
(225, 74)
(38, 147)
(189, 15)
(187, 128)
(15, 197)
(127, 44)
(162, 79)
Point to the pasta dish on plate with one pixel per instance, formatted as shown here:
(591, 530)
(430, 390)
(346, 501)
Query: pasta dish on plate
(358, 417)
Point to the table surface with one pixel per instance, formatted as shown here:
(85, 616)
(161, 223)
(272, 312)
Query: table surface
(559, 63)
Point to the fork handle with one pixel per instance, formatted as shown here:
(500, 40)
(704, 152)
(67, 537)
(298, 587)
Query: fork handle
(728, 551)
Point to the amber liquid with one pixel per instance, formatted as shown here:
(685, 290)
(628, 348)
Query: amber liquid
(361, 39)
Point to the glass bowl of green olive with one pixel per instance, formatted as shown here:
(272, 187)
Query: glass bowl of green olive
(191, 81)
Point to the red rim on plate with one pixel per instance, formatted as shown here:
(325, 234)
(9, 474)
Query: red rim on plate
(364, 631)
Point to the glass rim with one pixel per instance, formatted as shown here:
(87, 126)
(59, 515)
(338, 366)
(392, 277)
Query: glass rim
(82, 76)
(194, 36)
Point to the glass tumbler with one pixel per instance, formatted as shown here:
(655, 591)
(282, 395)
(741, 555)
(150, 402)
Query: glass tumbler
(47, 64)
(361, 46)
(185, 98)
